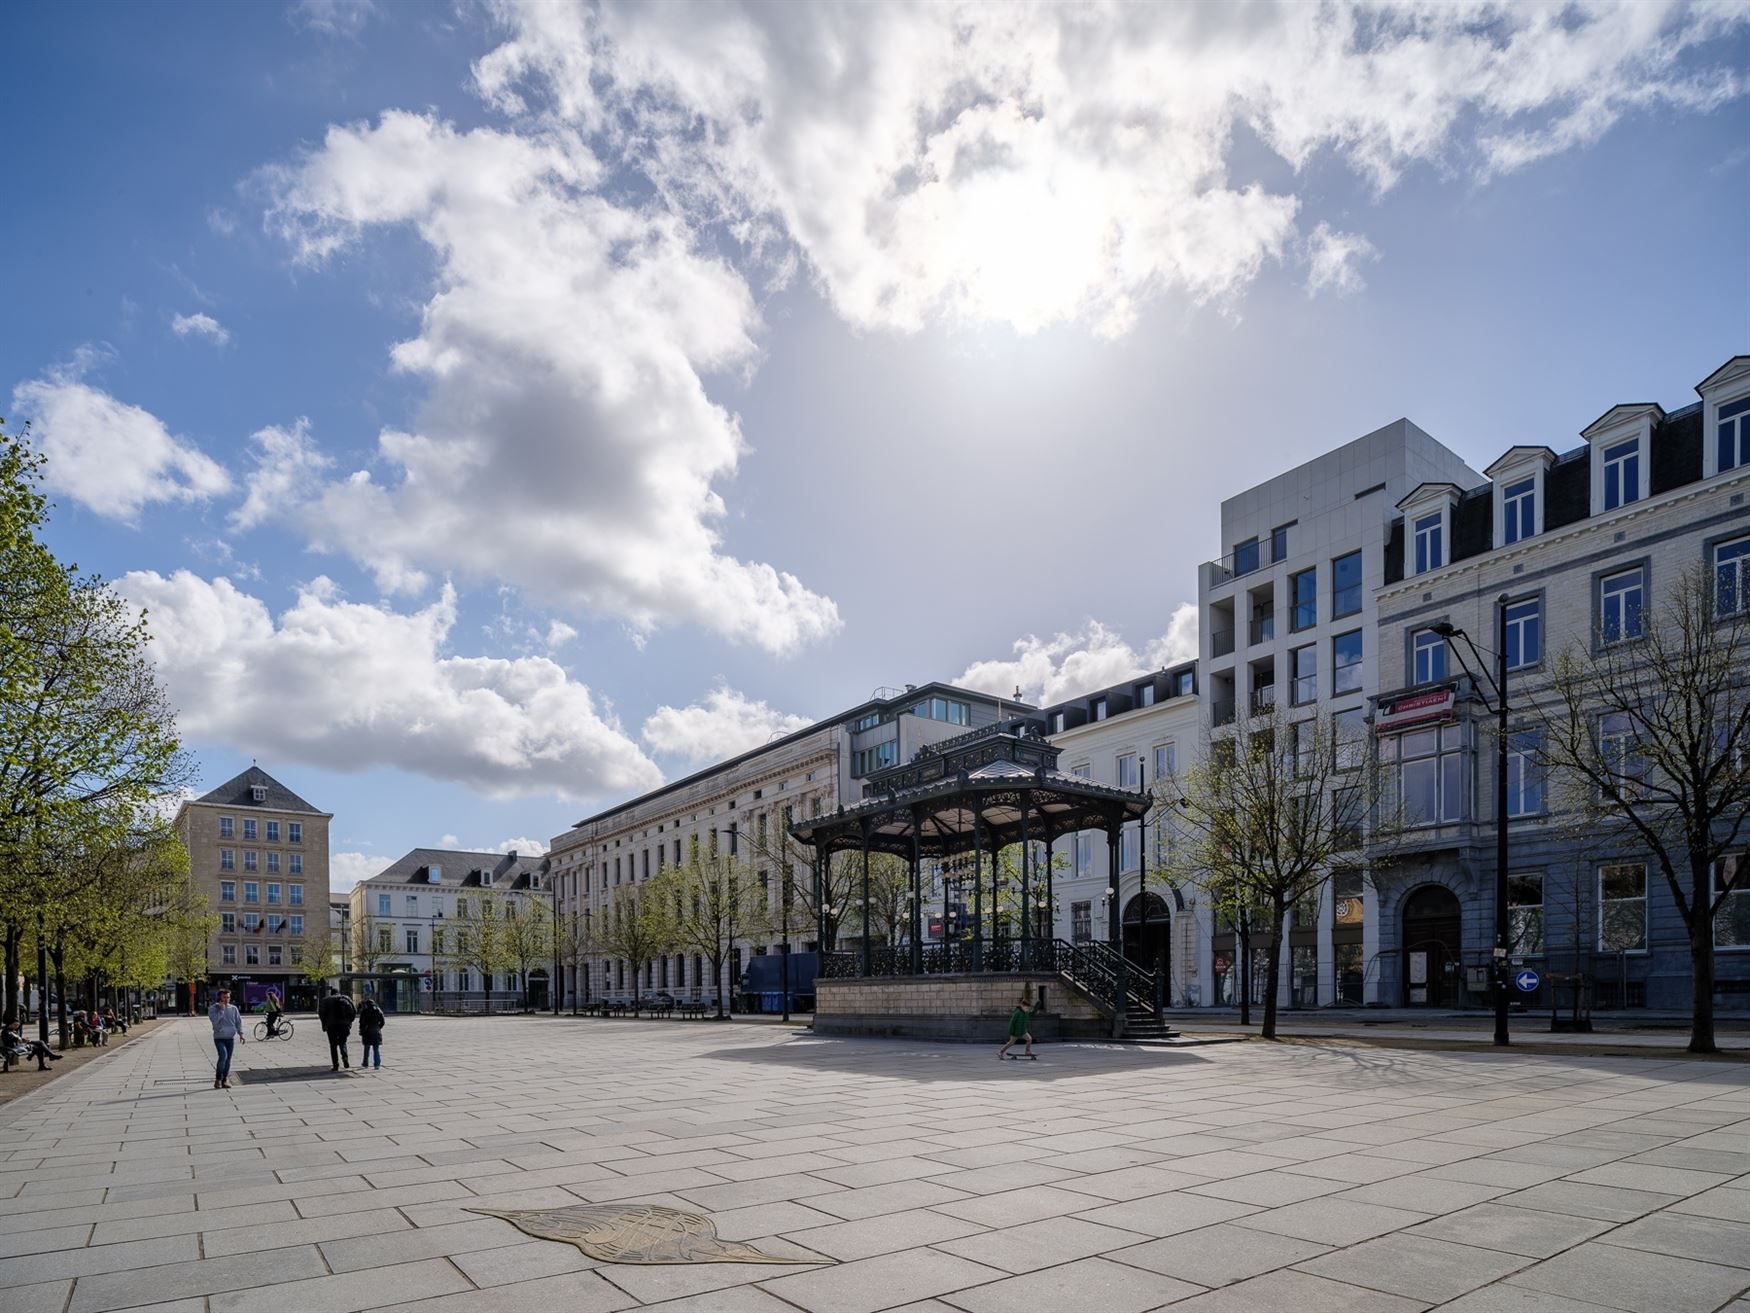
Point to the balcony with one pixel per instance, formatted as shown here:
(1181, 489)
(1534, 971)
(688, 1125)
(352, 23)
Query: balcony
(1264, 700)
(1221, 711)
(1221, 642)
(1263, 628)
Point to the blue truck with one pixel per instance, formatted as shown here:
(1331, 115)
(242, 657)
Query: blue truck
(762, 982)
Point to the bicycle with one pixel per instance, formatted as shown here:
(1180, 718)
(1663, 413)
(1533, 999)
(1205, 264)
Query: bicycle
(284, 1031)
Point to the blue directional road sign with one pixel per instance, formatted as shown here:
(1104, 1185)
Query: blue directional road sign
(1527, 981)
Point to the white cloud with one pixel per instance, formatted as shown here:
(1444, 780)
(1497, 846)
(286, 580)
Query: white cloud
(287, 469)
(566, 443)
(523, 847)
(1331, 257)
(448, 841)
(558, 635)
(334, 18)
(1065, 162)
(724, 724)
(346, 869)
(347, 686)
(112, 457)
(1066, 665)
(200, 325)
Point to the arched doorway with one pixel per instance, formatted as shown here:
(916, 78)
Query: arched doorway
(1148, 933)
(1432, 948)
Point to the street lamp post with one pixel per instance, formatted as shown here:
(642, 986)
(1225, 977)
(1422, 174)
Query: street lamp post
(1499, 683)
(784, 942)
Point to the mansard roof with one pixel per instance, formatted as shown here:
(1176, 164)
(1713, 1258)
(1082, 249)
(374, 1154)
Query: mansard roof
(238, 791)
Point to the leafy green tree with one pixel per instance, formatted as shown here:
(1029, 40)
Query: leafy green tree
(634, 928)
(528, 938)
(705, 905)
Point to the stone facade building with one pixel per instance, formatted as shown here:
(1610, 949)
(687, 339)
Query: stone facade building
(258, 856)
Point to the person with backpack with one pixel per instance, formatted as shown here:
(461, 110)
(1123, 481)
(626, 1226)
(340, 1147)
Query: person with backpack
(336, 1015)
(371, 1021)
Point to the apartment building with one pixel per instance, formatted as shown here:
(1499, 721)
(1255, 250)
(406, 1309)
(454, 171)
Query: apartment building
(258, 856)
(1288, 618)
(1584, 545)
(404, 933)
(744, 805)
(1136, 735)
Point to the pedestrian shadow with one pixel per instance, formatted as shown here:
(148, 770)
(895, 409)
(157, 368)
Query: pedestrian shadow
(911, 1060)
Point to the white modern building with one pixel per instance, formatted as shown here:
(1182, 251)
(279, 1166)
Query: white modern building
(1288, 617)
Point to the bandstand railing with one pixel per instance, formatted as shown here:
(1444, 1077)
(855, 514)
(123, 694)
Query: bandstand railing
(1095, 968)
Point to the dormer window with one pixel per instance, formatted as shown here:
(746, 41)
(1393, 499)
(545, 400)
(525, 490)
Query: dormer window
(1732, 436)
(258, 792)
(1430, 542)
(1518, 511)
(1099, 709)
(1621, 455)
(1622, 474)
(1725, 427)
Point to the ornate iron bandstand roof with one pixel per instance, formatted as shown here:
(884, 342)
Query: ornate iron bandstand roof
(994, 787)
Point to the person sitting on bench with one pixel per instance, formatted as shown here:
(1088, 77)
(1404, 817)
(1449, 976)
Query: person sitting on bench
(17, 1048)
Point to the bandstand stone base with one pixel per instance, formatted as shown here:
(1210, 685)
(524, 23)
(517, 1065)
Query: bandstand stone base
(953, 1007)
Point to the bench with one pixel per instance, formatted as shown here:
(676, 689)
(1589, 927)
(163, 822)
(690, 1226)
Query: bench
(692, 1008)
(658, 1007)
(615, 1008)
(589, 1009)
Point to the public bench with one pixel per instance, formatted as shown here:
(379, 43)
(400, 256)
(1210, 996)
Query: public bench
(660, 1006)
(692, 1008)
(616, 1008)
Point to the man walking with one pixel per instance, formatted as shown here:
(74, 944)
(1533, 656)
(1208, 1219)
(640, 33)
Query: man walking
(227, 1033)
(336, 1014)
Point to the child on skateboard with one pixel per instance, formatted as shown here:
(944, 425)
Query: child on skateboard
(1018, 1029)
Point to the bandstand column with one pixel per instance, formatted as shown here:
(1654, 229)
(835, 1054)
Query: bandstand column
(864, 827)
(977, 890)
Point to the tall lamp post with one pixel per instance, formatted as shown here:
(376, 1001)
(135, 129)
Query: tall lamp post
(1499, 684)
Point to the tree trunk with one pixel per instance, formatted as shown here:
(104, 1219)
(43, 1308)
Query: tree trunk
(1273, 976)
(717, 983)
(1243, 968)
(11, 1006)
(1701, 961)
(56, 956)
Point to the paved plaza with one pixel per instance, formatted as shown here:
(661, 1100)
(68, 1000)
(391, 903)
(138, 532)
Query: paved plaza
(1227, 1178)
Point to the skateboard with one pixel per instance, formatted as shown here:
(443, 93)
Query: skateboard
(1018, 1057)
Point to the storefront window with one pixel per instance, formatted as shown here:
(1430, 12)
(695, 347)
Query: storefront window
(1525, 912)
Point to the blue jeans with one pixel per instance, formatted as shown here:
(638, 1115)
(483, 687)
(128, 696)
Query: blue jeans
(223, 1070)
(372, 1051)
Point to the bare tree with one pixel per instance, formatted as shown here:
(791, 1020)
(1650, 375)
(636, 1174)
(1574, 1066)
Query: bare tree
(1273, 809)
(369, 943)
(482, 941)
(574, 943)
(827, 890)
(1651, 719)
(528, 934)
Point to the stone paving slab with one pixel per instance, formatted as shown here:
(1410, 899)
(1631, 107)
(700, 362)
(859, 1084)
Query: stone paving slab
(1230, 1179)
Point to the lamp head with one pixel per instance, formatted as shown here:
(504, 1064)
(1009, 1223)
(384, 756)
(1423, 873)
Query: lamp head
(1445, 629)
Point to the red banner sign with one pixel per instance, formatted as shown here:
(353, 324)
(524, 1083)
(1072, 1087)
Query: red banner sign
(1417, 709)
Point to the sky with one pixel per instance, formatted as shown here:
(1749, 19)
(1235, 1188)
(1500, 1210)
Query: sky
(500, 409)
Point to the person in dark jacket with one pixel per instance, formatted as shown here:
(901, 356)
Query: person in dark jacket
(336, 1014)
(371, 1021)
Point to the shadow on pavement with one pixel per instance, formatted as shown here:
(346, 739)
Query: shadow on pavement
(905, 1059)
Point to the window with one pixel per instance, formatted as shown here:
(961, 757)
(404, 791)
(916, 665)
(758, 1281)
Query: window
(1279, 543)
(1616, 749)
(1304, 745)
(1622, 909)
(1129, 849)
(295, 863)
(249, 828)
(1524, 773)
(1524, 633)
(251, 892)
(294, 832)
(227, 923)
(1349, 905)
(1246, 556)
(1431, 771)
(1346, 585)
(382, 904)
(1166, 760)
(275, 955)
(865, 760)
(1304, 666)
(1427, 657)
(273, 831)
(412, 939)
(227, 859)
(1303, 599)
(273, 895)
(1081, 922)
(1430, 542)
(462, 909)
(227, 828)
(1145, 695)
(227, 891)
(1084, 853)
(228, 955)
(1099, 709)
(1622, 474)
(1518, 511)
(251, 955)
(1129, 771)
(1350, 730)
(862, 723)
(251, 859)
(251, 922)
(295, 895)
(1732, 572)
(1732, 888)
(1732, 438)
(273, 863)
(296, 924)
(384, 941)
(412, 904)
(954, 713)
(1184, 684)
(1346, 662)
(1525, 912)
(1620, 599)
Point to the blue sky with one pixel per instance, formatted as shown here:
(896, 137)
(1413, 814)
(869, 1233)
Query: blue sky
(500, 409)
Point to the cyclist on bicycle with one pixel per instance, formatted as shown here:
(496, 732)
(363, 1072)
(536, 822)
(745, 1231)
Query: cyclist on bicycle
(273, 1014)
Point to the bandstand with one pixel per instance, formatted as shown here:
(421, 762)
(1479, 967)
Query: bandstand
(956, 806)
